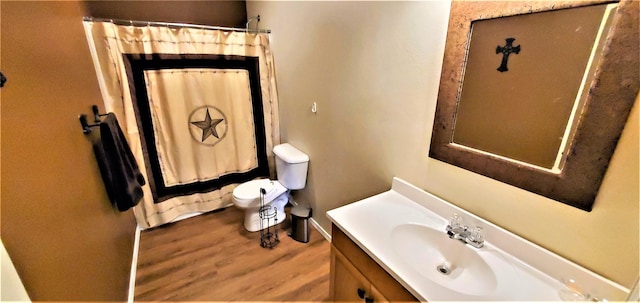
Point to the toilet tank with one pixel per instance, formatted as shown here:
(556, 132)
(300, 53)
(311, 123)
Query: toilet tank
(291, 166)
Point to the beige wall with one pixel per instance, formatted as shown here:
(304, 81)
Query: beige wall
(373, 69)
(58, 226)
(66, 240)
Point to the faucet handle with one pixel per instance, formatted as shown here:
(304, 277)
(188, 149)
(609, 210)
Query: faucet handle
(573, 292)
(477, 234)
(455, 221)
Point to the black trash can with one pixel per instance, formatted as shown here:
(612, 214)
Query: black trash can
(300, 223)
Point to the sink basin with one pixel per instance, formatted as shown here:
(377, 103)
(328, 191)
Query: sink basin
(447, 262)
(403, 230)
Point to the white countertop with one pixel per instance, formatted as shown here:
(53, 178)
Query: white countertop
(522, 270)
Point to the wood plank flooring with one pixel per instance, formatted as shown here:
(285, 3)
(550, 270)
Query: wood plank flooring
(212, 257)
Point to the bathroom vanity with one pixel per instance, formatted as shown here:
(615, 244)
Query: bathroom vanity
(409, 245)
(357, 277)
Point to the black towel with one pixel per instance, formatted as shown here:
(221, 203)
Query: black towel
(122, 178)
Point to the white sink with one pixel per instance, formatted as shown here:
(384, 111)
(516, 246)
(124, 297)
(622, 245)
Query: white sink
(447, 262)
(403, 230)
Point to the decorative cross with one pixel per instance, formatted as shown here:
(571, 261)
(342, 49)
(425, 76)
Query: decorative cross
(506, 50)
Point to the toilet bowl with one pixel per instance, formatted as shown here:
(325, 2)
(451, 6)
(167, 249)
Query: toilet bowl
(291, 168)
(247, 197)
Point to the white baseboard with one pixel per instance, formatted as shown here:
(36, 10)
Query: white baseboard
(136, 248)
(134, 264)
(324, 233)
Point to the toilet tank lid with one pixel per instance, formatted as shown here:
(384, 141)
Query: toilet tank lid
(290, 154)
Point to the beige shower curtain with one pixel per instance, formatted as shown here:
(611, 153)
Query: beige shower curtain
(199, 109)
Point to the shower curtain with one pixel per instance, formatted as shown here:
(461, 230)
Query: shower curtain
(198, 106)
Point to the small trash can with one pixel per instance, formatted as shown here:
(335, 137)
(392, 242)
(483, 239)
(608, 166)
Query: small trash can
(300, 223)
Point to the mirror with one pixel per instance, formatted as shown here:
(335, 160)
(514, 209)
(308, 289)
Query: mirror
(535, 94)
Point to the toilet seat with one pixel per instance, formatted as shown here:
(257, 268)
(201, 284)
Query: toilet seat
(248, 194)
(251, 189)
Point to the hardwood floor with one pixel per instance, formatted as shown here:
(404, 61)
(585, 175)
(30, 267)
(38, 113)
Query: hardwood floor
(212, 257)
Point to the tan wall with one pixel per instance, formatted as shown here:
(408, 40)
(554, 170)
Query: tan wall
(58, 226)
(373, 68)
(65, 239)
(212, 12)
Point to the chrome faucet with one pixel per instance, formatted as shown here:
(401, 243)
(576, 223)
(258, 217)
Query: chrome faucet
(456, 229)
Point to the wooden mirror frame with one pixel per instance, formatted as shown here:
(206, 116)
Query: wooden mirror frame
(611, 96)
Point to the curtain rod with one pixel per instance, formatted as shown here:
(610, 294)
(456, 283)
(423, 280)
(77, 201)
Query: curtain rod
(170, 24)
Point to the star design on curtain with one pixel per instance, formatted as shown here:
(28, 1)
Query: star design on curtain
(208, 126)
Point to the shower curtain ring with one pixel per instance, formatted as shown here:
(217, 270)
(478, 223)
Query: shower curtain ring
(257, 18)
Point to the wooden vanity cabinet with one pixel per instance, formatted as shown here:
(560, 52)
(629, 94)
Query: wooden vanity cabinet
(355, 277)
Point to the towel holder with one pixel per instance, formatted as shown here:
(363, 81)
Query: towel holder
(86, 127)
(96, 114)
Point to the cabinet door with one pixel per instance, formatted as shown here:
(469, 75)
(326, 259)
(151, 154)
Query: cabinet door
(379, 286)
(376, 296)
(349, 285)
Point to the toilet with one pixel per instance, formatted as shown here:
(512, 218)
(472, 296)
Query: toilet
(291, 169)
